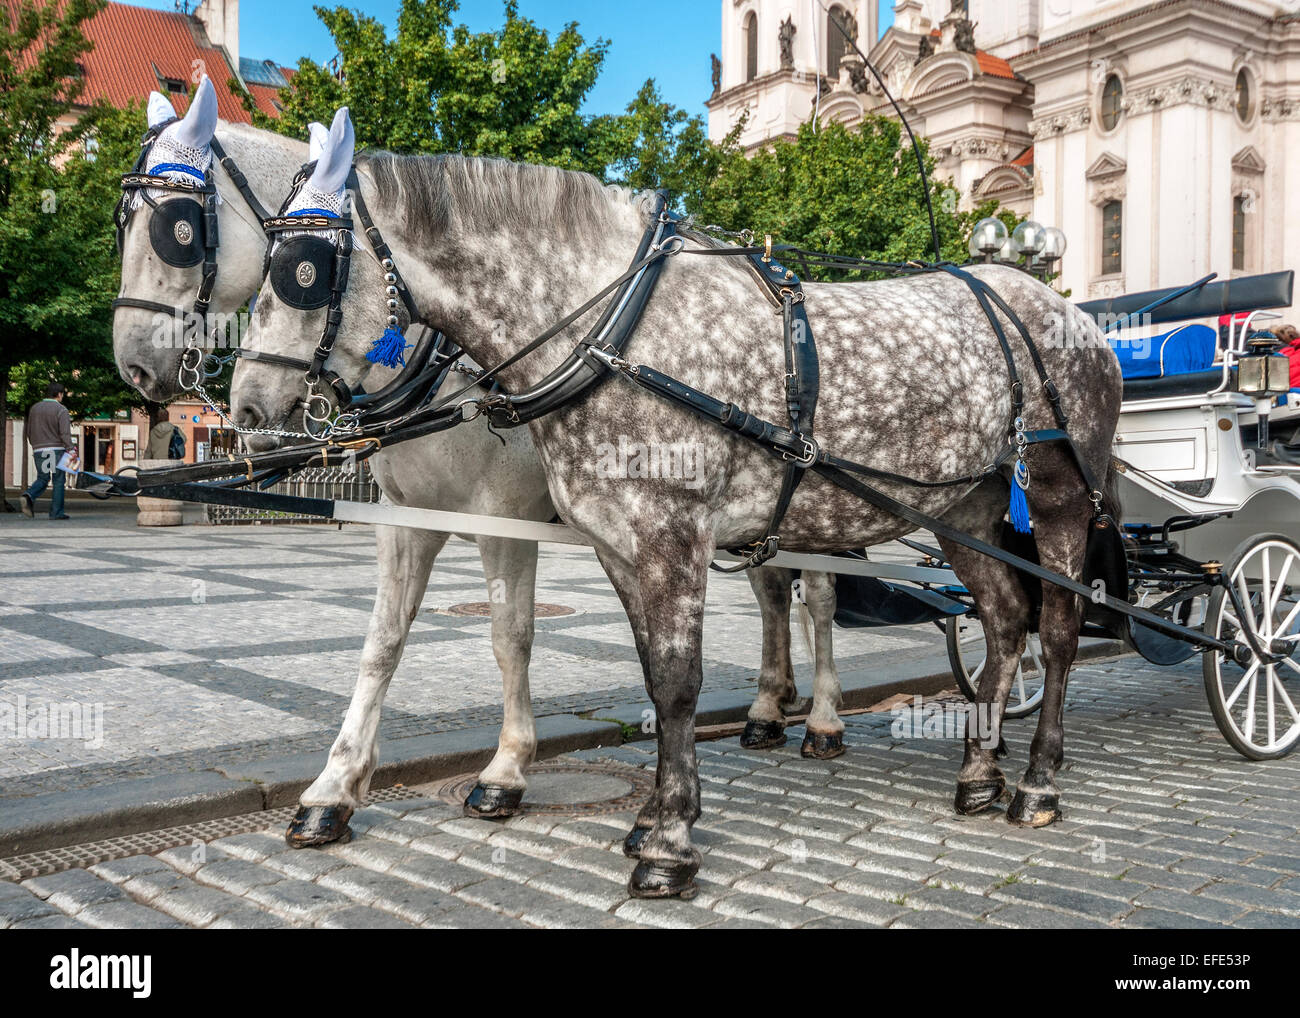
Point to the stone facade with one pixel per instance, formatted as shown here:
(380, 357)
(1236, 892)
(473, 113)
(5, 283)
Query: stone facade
(1180, 111)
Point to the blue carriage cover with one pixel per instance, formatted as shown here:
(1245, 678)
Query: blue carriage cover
(1187, 349)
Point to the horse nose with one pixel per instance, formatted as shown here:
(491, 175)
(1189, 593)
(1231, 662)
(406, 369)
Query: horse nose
(249, 416)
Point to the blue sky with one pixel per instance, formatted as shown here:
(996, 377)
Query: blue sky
(668, 40)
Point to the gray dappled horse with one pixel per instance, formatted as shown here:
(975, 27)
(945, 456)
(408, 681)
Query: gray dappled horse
(912, 381)
(470, 471)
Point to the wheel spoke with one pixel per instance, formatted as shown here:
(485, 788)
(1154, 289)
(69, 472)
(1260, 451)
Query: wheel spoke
(1020, 683)
(1265, 594)
(1290, 618)
(1243, 590)
(1295, 715)
(1250, 674)
(1250, 709)
(1280, 587)
(1270, 676)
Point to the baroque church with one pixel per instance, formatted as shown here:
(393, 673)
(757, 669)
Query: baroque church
(1153, 133)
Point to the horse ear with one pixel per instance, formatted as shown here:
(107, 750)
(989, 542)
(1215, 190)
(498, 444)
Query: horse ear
(160, 109)
(335, 162)
(317, 135)
(200, 121)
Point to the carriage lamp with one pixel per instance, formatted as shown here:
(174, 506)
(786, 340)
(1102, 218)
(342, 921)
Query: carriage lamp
(1029, 239)
(1054, 246)
(1263, 374)
(1007, 253)
(988, 238)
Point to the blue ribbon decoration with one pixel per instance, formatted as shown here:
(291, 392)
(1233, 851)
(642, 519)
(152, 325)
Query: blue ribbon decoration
(389, 349)
(193, 171)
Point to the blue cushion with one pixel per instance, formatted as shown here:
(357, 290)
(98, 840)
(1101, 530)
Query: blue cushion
(1187, 349)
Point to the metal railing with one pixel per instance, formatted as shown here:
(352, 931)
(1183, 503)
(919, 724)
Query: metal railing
(350, 482)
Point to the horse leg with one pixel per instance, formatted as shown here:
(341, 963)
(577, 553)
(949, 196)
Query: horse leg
(405, 558)
(1003, 608)
(824, 733)
(1061, 531)
(511, 571)
(672, 572)
(765, 728)
(623, 579)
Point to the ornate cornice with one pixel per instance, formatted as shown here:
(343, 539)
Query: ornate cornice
(1075, 119)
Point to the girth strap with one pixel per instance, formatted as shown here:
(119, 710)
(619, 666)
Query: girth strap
(802, 384)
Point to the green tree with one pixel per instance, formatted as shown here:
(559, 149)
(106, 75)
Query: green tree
(438, 87)
(839, 190)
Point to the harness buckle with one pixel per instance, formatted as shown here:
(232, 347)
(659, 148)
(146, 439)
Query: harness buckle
(810, 455)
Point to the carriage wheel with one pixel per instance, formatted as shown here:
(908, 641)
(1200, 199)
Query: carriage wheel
(1255, 707)
(967, 654)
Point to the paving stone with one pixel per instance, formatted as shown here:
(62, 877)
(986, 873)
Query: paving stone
(1163, 919)
(936, 919)
(1195, 905)
(297, 900)
(250, 918)
(303, 863)
(1028, 917)
(19, 905)
(56, 921)
(506, 896)
(668, 914)
(119, 871)
(780, 886)
(254, 847)
(195, 905)
(126, 915)
(586, 889)
(73, 890)
(855, 909)
(236, 876)
(437, 873)
(759, 908)
(361, 918)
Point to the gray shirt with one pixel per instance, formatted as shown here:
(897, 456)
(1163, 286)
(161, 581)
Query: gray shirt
(49, 426)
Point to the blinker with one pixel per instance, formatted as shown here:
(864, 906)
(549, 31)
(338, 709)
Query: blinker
(176, 232)
(301, 271)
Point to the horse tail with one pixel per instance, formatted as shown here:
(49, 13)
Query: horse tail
(1110, 503)
(806, 629)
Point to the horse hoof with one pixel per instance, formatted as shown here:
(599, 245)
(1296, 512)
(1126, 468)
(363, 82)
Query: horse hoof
(763, 735)
(976, 796)
(634, 840)
(651, 881)
(487, 802)
(822, 746)
(1001, 752)
(1034, 809)
(319, 825)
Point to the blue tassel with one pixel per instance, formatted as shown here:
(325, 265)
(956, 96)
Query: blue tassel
(1019, 509)
(389, 349)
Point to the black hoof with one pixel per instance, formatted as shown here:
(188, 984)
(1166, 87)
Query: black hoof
(977, 796)
(763, 735)
(822, 746)
(487, 802)
(1001, 752)
(651, 881)
(634, 840)
(319, 825)
(1034, 809)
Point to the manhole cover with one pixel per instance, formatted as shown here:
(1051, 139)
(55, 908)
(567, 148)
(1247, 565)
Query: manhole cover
(483, 609)
(569, 789)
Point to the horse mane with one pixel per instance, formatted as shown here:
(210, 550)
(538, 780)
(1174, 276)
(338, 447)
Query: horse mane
(437, 192)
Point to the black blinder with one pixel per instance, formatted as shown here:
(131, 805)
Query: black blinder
(176, 232)
(301, 270)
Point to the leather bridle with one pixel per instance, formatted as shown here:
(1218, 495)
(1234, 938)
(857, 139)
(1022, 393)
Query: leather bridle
(194, 235)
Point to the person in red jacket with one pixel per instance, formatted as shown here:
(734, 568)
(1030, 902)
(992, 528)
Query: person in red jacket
(1290, 340)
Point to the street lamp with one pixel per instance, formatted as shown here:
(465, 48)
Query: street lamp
(1053, 249)
(1029, 239)
(988, 238)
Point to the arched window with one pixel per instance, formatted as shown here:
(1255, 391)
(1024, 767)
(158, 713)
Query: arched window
(1243, 99)
(1112, 238)
(751, 46)
(836, 44)
(1112, 96)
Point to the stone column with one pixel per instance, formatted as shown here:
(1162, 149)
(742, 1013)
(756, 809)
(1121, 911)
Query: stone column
(158, 512)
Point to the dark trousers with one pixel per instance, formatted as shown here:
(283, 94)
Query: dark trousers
(47, 470)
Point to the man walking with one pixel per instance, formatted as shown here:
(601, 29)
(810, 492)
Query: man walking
(49, 432)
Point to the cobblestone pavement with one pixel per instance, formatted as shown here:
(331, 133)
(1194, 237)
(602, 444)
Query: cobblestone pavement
(212, 645)
(1165, 826)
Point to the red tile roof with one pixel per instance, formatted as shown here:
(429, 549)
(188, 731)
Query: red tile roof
(137, 49)
(993, 66)
(135, 46)
(1025, 159)
(265, 96)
